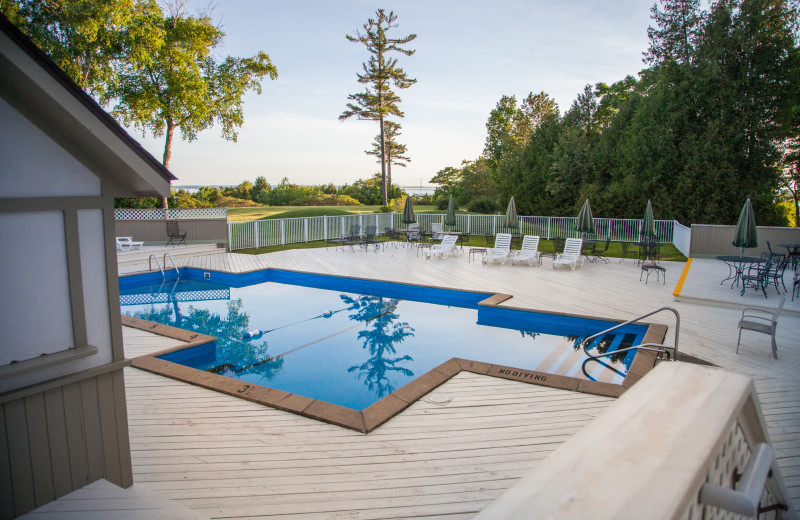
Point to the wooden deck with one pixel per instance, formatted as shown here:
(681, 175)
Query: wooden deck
(225, 457)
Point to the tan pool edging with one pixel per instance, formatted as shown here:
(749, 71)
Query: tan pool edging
(380, 412)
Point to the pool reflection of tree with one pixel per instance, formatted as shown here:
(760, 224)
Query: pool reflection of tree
(381, 337)
(232, 352)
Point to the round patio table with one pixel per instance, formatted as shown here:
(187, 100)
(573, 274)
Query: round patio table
(794, 253)
(736, 266)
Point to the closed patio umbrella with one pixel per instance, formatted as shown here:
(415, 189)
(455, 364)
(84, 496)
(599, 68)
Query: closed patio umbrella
(746, 234)
(585, 221)
(511, 215)
(648, 232)
(450, 217)
(408, 213)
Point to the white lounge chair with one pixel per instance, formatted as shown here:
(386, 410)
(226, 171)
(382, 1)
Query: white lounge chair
(436, 230)
(571, 254)
(447, 245)
(529, 250)
(501, 249)
(125, 244)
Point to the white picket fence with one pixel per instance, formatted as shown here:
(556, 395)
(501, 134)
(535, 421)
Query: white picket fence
(272, 232)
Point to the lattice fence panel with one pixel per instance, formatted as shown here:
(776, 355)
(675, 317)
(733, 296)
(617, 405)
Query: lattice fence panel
(172, 214)
(732, 454)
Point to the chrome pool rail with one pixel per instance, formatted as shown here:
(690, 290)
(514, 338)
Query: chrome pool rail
(653, 347)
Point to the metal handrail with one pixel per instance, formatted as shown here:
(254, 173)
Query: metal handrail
(653, 347)
(150, 266)
(174, 266)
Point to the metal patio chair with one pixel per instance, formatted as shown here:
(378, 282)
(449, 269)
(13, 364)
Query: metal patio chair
(174, 233)
(762, 321)
(757, 277)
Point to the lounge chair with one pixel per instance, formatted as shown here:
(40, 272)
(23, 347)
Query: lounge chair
(529, 250)
(761, 321)
(571, 254)
(501, 249)
(447, 245)
(125, 244)
(436, 230)
(414, 232)
(174, 233)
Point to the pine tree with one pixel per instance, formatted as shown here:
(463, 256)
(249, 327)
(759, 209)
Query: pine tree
(380, 73)
(394, 151)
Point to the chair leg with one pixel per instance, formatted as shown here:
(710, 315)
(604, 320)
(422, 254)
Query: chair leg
(740, 338)
(774, 346)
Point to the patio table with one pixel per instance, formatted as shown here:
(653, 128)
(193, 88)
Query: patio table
(794, 253)
(648, 251)
(737, 265)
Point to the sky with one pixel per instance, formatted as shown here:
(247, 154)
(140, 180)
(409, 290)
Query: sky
(469, 53)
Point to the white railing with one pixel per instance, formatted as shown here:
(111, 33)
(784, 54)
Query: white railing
(682, 238)
(172, 214)
(272, 232)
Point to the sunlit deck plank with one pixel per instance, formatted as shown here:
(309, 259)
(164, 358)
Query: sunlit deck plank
(611, 291)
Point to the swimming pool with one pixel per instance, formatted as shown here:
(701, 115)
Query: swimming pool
(352, 342)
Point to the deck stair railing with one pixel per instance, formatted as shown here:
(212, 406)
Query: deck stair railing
(662, 350)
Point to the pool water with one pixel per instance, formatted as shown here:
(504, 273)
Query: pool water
(352, 342)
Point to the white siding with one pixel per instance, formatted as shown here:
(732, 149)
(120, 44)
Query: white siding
(95, 287)
(34, 166)
(35, 317)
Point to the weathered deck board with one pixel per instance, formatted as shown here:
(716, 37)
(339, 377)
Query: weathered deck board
(226, 457)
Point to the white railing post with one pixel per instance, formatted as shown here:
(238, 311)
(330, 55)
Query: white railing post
(360, 224)
(256, 233)
(469, 223)
(305, 229)
(283, 232)
(325, 227)
(230, 236)
(548, 228)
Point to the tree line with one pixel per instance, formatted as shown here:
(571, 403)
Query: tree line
(713, 119)
(361, 192)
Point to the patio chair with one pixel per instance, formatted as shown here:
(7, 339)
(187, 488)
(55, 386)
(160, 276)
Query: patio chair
(571, 254)
(529, 250)
(436, 231)
(414, 232)
(447, 245)
(761, 321)
(796, 283)
(125, 244)
(628, 249)
(501, 249)
(757, 277)
(779, 263)
(174, 233)
(598, 253)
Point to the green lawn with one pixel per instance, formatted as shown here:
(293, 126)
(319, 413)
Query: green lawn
(271, 212)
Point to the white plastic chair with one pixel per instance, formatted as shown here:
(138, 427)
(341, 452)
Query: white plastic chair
(447, 245)
(571, 254)
(501, 249)
(529, 250)
(125, 244)
(761, 321)
(436, 230)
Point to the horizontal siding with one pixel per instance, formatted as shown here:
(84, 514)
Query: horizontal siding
(156, 231)
(708, 240)
(61, 439)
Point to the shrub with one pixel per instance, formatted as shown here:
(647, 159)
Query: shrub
(483, 205)
(442, 202)
(233, 202)
(322, 199)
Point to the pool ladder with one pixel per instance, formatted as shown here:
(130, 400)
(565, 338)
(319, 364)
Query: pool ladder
(164, 261)
(653, 347)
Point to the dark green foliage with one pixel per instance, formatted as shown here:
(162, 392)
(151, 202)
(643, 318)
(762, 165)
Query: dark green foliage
(368, 191)
(484, 205)
(441, 203)
(698, 132)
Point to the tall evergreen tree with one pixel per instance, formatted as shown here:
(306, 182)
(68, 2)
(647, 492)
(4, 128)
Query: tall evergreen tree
(381, 72)
(394, 151)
